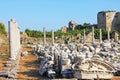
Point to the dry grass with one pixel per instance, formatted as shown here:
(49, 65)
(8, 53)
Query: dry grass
(3, 55)
(4, 50)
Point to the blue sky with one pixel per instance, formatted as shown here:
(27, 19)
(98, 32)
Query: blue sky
(53, 14)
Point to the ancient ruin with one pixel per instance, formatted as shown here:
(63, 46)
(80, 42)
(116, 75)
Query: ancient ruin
(100, 36)
(12, 64)
(44, 38)
(72, 25)
(89, 61)
(84, 37)
(64, 29)
(52, 37)
(110, 20)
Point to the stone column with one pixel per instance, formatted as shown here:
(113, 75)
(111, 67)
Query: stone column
(11, 39)
(44, 38)
(84, 38)
(100, 36)
(19, 45)
(92, 34)
(108, 35)
(14, 39)
(116, 37)
(52, 37)
(18, 38)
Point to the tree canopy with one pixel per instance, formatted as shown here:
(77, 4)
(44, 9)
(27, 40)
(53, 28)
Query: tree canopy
(33, 33)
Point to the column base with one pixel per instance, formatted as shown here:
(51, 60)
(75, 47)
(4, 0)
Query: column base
(12, 58)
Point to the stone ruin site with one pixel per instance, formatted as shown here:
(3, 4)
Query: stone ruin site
(80, 57)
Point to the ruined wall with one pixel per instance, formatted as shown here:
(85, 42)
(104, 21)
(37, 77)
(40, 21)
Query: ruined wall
(116, 22)
(64, 29)
(105, 19)
(109, 19)
(72, 25)
(101, 20)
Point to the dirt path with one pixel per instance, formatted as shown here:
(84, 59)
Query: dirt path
(116, 78)
(28, 68)
(2, 65)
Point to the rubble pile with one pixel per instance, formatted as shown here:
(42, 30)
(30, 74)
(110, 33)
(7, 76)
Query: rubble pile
(75, 59)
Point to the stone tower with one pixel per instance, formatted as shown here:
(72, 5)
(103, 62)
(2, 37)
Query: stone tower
(105, 19)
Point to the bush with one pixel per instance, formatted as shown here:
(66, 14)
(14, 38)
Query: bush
(2, 28)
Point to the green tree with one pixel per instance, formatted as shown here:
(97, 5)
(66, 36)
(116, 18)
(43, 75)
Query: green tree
(86, 24)
(2, 28)
(35, 33)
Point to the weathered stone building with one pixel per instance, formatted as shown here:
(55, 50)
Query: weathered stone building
(105, 19)
(72, 25)
(110, 20)
(64, 29)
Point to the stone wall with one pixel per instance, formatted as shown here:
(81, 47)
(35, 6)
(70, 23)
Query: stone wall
(72, 25)
(116, 22)
(105, 19)
(101, 20)
(110, 20)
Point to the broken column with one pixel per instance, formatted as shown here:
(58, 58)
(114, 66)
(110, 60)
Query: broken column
(52, 37)
(100, 36)
(84, 38)
(44, 38)
(116, 36)
(92, 34)
(14, 39)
